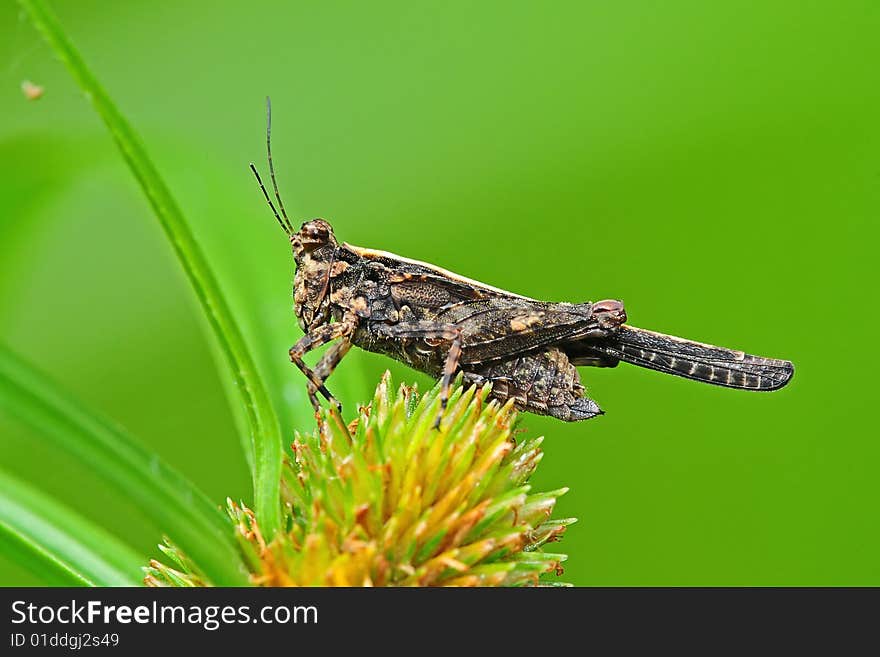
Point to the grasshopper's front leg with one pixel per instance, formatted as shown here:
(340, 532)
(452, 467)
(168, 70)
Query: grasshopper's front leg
(315, 338)
(326, 365)
(433, 331)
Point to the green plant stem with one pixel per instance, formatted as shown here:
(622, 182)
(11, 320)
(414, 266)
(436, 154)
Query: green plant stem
(162, 494)
(264, 447)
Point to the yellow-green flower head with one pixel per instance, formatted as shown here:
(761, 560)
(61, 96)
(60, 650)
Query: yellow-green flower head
(390, 501)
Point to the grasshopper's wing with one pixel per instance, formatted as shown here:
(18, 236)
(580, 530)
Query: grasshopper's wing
(495, 324)
(496, 329)
(692, 360)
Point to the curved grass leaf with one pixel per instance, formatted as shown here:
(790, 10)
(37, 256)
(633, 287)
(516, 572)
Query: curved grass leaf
(34, 559)
(56, 540)
(264, 446)
(169, 499)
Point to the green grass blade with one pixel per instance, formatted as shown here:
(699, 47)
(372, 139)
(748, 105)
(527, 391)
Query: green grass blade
(264, 446)
(33, 558)
(166, 497)
(70, 547)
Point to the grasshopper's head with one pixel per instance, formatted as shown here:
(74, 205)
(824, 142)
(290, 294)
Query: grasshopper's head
(311, 236)
(314, 250)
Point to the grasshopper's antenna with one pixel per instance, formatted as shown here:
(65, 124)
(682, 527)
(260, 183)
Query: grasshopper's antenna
(271, 166)
(284, 227)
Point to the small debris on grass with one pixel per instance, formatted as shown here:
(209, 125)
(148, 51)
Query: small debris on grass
(32, 91)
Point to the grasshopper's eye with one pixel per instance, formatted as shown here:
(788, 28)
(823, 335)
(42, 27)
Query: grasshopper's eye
(316, 231)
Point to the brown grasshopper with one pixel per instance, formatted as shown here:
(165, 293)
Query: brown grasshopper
(442, 324)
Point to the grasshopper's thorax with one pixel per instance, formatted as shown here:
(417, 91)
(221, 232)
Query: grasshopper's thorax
(314, 249)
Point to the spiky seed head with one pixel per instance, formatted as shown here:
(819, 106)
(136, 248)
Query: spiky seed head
(388, 500)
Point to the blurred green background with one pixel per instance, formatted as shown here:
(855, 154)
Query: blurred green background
(715, 165)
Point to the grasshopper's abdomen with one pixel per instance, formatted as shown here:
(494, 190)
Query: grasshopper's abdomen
(542, 382)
